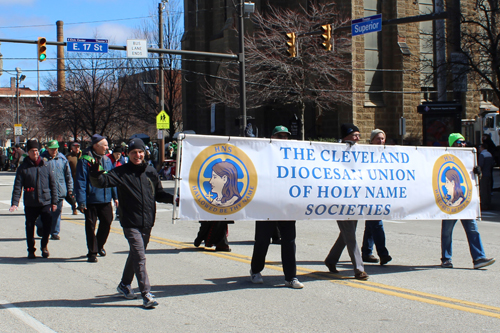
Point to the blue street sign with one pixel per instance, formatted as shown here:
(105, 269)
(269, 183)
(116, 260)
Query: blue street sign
(366, 25)
(87, 45)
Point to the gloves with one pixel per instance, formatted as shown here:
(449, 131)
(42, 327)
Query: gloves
(95, 169)
(477, 170)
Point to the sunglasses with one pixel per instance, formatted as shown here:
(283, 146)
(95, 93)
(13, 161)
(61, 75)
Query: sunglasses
(460, 142)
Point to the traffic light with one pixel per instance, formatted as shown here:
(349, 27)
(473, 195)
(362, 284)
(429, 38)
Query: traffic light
(291, 43)
(327, 36)
(42, 49)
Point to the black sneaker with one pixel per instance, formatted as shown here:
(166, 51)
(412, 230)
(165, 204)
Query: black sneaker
(126, 291)
(447, 264)
(92, 258)
(45, 253)
(385, 259)
(31, 255)
(480, 263)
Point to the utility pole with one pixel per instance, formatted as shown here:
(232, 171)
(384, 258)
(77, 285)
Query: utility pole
(241, 58)
(161, 148)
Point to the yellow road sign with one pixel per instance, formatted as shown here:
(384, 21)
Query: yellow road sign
(162, 120)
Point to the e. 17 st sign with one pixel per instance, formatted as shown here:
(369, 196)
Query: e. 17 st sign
(87, 45)
(366, 25)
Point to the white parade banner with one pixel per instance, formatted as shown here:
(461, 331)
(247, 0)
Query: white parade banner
(235, 178)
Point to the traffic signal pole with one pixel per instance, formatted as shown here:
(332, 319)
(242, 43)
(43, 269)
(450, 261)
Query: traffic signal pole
(124, 48)
(241, 56)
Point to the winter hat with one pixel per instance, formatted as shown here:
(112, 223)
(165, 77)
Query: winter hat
(97, 138)
(454, 137)
(375, 132)
(136, 144)
(118, 149)
(32, 144)
(347, 128)
(53, 144)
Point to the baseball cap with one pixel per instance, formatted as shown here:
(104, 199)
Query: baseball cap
(454, 137)
(281, 129)
(74, 144)
(53, 144)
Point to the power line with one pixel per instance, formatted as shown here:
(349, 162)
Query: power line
(73, 23)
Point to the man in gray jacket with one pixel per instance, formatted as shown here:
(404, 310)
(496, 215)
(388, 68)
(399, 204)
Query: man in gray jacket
(62, 172)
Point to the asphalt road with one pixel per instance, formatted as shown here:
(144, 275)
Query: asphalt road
(205, 291)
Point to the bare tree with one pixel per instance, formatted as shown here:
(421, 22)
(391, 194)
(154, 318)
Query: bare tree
(480, 44)
(315, 76)
(145, 84)
(95, 97)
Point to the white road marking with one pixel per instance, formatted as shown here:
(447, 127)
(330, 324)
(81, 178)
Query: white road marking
(26, 318)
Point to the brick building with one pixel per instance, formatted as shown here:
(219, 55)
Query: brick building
(29, 112)
(388, 78)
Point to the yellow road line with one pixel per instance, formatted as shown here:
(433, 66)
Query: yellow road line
(413, 295)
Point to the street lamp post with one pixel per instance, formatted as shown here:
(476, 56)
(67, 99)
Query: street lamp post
(19, 79)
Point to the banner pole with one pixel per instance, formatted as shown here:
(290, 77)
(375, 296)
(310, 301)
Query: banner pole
(177, 178)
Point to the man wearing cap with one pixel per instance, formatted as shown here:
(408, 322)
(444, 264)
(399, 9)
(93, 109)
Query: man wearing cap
(62, 171)
(95, 202)
(263, 233)
(35, 179)
(138, 188)
(374, 229)
(347, 237)
(73, 156)
(470, 226)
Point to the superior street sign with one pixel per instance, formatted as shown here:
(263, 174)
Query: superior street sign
(366, 25)
(87, 45)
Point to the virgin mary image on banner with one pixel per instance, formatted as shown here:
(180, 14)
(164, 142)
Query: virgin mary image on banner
(224, 184)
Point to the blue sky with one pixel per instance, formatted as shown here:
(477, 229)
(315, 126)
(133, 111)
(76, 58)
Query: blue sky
(118, 20)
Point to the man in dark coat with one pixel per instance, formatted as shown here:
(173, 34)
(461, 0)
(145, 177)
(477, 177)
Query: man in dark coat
(36, 179)
(139, 187)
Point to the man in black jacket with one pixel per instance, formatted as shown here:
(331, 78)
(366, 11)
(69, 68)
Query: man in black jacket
(139, 188)
(40, 191)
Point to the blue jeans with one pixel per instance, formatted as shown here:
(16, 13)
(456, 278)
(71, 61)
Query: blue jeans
(374, 234)
(473, 237)
(56, 220)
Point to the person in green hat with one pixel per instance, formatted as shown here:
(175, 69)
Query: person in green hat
(280, 132)
(263, 233)
(470, 226)
(64, 180)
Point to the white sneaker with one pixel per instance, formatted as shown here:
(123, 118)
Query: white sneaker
(256, 278)
(295, 284)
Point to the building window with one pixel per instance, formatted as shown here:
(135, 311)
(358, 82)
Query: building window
(427, 52)
(373, 54)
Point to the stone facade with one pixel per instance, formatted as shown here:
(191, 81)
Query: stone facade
(209, 28)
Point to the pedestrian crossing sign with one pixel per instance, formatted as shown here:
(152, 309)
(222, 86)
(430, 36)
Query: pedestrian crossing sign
(162, 120)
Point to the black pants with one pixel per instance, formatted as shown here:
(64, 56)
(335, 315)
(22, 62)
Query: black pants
(105, 214)
(213, 233)
(32, 214)
(263, 233)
